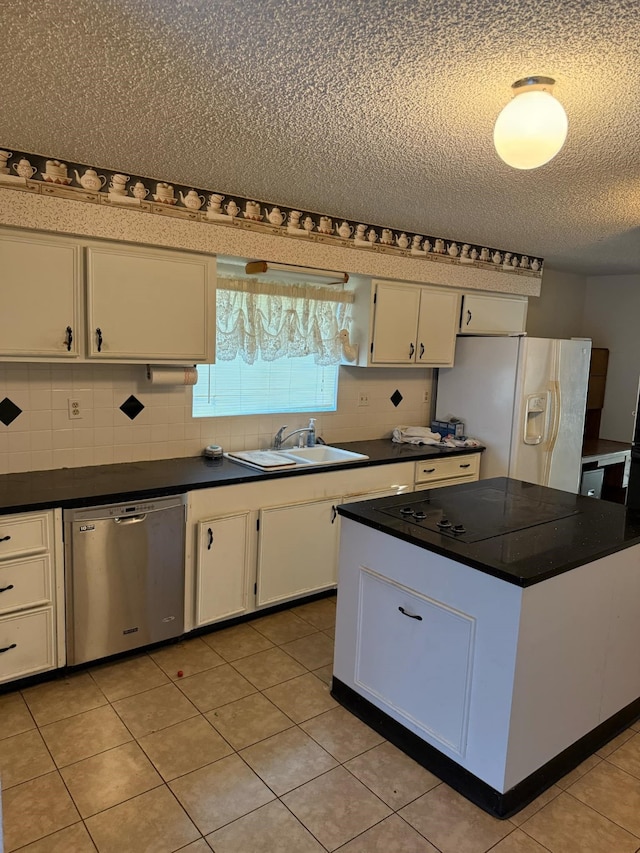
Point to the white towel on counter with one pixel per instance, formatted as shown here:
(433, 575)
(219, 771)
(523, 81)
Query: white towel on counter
(415, 435)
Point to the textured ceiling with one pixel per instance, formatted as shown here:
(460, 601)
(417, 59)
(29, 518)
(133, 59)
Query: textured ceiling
(370, 110)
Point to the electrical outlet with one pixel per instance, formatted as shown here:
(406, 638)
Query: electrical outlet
(425, 397)
(75, 410)
(363, 399)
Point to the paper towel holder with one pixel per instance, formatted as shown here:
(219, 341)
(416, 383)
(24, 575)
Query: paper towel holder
(172, 374)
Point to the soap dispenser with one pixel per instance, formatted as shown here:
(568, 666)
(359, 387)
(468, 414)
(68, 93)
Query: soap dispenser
(311, 433)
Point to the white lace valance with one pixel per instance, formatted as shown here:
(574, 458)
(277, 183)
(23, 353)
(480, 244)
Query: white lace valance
(273, 320)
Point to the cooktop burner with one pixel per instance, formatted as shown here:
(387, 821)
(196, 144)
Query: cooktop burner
(477, 515)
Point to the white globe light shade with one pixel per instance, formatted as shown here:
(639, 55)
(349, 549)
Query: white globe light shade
(530, 130)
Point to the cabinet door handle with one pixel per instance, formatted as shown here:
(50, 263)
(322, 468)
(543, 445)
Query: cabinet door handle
(5, 538)
(8, 648)
(69, 339)
(468, 316)
(412, 349)
(5, 588)
(99, 339)
(210, 535)
(466, 465)
(421, 349)
(334, 514)
(410, 615)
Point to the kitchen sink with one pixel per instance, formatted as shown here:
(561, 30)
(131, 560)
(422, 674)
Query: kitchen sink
(321, 454)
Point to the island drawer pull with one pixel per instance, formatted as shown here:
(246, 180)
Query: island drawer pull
(410, 615)
(428, 470)
(466, 465)
(5, 538)
(5, 588)
(8, 648)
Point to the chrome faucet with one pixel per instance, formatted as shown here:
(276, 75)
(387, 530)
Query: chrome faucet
(279, 439)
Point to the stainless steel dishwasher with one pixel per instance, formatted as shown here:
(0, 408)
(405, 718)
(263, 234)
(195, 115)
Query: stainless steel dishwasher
(124, 576)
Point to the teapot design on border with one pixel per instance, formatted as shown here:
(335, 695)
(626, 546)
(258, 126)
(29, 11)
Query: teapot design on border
(192, 200)
(275, 216)
(344, 230)
(91, 180)
(23, 169)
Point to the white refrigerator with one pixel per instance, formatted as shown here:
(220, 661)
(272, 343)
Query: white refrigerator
(525, 399)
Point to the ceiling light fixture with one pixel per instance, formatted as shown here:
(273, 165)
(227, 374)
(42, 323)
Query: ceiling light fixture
(532, 128)
(262, 267)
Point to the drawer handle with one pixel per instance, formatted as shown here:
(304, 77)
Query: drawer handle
(466, 465)
(210, 542)
(5, 588)
(8, 648)
(428, 470)
(410, 615)
(5, 538)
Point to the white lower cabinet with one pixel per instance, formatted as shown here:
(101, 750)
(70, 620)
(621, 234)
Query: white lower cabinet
(223, 567)
(433, 473)
(298, 551)
(31, 594)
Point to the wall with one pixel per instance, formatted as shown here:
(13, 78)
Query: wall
(43, 436)
(558, 311)
(612, 308)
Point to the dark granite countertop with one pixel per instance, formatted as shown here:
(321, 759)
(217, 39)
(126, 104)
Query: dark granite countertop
(590, 530)
(101, 484)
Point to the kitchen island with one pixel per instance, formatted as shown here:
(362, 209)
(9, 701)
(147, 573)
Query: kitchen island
(490, 630)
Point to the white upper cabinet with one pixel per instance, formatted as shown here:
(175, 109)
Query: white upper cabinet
(413, 325)
(486, 314)
(149, 304)
(67, 298)
(41, 279)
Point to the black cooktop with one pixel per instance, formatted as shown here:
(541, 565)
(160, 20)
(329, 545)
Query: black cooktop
(474, 516)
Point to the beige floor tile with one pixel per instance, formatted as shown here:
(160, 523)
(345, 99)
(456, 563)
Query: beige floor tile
(16, 717)
(567, 825)
(335, 807)
(84, 735)
(627, 756)
(128, 676)
(287, 760)
(614, 743)
(23, 757)
(313, 651)
(325, 673)
(528, 811)
(237, 642)
(104, 780)
(283, 627)
(73, 839)
(63, 697)
(156, 709)
(331, 633)
(302, 698)
(612, 792)
(150, 823)
(269, 668)
(392, 835)
(219, 686)
(199, 846)
(220, 792)
(248, 720)
(270, 829)
(321, 614)
(184, 747)
(453, 824)
(342, 734)
(392, 775)
(518, 842)
(579, 771)
(36, 809)
(188, 657)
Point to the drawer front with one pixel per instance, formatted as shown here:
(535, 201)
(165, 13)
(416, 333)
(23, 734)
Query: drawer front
(27, 643)
(449, 469)
(25, 583)
(20, 534)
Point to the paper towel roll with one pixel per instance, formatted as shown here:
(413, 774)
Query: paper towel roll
(172, 375)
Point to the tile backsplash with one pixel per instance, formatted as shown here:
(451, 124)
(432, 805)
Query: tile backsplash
(44, 435)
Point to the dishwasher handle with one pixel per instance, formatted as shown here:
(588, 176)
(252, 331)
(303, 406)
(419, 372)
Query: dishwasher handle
(131, 519)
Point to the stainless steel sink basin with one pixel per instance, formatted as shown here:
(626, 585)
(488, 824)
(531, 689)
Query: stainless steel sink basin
(321, 454)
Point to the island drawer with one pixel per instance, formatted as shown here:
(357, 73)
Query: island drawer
(20, 534)
(27, 643)
(25, 583)
(455, 467)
